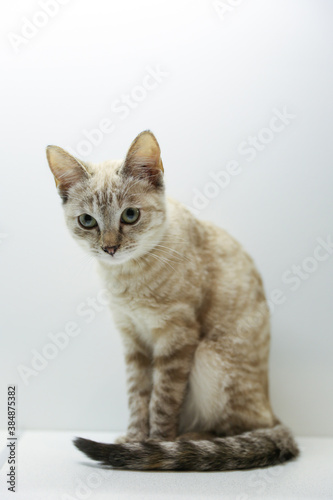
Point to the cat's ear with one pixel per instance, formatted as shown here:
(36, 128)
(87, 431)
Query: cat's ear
(66, 169)
(143, 159)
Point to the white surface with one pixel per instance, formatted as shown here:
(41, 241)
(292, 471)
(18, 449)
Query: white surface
(225, 77)
(50, 467)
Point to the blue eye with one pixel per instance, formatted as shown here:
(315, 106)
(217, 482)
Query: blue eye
(87, 221)
(130, 215)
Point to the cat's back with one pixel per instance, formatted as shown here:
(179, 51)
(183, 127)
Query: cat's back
(217, 248)
(228, 276)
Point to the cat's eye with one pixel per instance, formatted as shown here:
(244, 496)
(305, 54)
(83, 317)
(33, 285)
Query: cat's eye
(130, 215)
(87, 221)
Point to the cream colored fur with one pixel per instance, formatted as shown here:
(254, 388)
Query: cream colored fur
(186, 297)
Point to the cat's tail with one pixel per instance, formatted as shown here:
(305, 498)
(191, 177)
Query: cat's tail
(258, 448)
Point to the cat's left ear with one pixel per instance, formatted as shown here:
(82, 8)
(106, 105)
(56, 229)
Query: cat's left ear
(66, 169)
(143, 159)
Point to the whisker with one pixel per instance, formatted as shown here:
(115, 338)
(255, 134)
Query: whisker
(165, 254)
(83, 263)
(161, 259)
(173, 250)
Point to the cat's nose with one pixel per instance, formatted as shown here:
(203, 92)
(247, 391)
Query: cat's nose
(111, 250)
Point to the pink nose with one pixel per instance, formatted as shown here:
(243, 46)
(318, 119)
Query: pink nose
(111, 250)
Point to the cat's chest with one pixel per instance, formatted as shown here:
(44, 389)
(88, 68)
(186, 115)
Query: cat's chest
(149, 303)
(143, 307)
(143, 317)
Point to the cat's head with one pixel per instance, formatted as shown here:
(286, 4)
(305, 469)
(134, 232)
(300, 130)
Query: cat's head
(116, 209)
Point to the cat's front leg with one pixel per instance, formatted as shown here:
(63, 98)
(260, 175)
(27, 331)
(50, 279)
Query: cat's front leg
(139, 387)
(171, 369)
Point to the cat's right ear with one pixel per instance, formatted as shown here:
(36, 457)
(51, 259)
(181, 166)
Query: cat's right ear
(143, 159)
(66, 169)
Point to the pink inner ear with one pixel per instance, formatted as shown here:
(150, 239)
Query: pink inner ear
(144, 167)
(66, 169)
(143, 160)
(69, 178)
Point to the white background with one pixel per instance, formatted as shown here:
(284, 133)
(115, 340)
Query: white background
(223, 77)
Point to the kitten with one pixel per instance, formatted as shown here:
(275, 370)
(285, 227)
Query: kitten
(191, 309)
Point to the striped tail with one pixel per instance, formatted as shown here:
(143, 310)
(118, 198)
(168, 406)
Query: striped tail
(258, 448)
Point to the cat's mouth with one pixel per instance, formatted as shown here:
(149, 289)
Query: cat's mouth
(115, 254)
